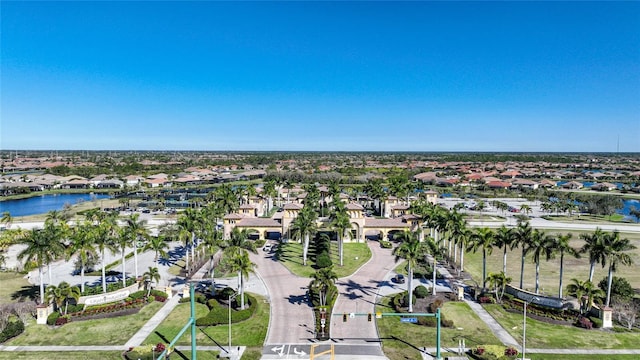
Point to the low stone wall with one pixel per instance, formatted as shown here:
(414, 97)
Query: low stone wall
(106, 298)
(542, 300)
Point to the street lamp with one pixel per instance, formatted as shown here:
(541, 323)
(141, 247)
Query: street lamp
(231, 297)
(524, 325)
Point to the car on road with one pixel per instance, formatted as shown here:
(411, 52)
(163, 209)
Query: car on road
(267, 248)
(398, 279)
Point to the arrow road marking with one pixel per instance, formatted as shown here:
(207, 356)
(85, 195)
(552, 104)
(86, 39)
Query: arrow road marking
(295, 351)
(275, 349)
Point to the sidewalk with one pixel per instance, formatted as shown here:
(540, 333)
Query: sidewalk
(496, 328)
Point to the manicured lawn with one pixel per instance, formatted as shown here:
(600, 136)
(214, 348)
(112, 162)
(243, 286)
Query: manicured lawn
(579, 357)
(251, 332)
(15, 286)
(550, 270)
(355, 255)
(401, 339)
(112, 331)
(66, 355)
(546, 336)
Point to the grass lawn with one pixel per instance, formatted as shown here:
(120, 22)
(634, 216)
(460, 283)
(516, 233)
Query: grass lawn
(466, 324)
(550, 270)
(113, 331)
(355, 255)
(542, 335)
(15, 286)
(590, 219)
(67, 355)
(579, 357)
(251, 332)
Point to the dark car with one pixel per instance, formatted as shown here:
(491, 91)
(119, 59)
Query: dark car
(398, 279)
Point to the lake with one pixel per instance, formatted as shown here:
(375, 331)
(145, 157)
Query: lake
(45, 203)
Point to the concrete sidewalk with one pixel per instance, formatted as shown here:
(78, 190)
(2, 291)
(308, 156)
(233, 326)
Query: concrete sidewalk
(155, 320)
(495, 327)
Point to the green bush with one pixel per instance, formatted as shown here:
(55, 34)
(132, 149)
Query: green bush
(13, 329)
(260, 243)
(51, 319)
(138, 295)
(385, 244)
(220, 315)
(597, 322)
(421, 292)
(323, 260)
(225, 293)
(75, 308)
(405, 299)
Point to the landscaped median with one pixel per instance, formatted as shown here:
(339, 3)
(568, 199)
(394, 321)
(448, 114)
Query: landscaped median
(355, 255)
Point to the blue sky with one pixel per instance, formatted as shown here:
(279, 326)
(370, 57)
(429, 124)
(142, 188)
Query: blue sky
(376, 76)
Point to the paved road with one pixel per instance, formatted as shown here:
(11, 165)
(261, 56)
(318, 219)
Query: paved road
(291, 318)
(358, 293)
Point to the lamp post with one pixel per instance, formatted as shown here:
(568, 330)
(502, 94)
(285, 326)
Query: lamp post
(524, 325)
(231, 297)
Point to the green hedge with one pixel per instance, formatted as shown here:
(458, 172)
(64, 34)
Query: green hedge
(385, 244)
(13, 329)
(219, 314)
(260, 243)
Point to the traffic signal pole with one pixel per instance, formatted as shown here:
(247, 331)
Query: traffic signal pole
(346, 316)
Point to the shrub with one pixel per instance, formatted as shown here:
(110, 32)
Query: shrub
(385, 244)
(13, 329)
(597, 322)
(585, 323)
(510, 351)
(220, 315)
(260, 243)
(225, 293)
(479, 350)
(52, 318)
(405, 299)
(62, 320)
(421, 292)
(486, 300)
(323, 260)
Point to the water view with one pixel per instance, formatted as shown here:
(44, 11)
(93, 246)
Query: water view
(45, 203)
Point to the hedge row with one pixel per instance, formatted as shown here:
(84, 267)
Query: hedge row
(219, 314)
(13, 329)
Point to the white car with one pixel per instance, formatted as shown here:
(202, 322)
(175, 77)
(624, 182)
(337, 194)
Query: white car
(267, 248)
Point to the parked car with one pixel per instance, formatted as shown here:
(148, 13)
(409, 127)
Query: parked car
(267, 248)
(398, 279)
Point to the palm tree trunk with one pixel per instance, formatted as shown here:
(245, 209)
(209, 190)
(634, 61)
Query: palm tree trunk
(104, 275)
(81, 275)
(484, 268)
(410, 286)
(433, 291)
(340, 248)
(522, 268)
(40, 275)
(609, 281)
(241, 291)
(591, 270)
(305, 249)
(213, 274)
(504, 261)
(193, 246)
(561, 273)
(461, 257)
(124, 270)
(537, 276)
(135, 258)
(49, 271)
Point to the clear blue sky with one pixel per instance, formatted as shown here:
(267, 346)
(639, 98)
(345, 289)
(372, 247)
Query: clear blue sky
(415, 76)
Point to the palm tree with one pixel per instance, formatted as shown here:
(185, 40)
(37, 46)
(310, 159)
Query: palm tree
(522, 236)
(539, 244)
(237, 260)
(6, 219)
(561, 245)
(104, 236)
(56, 232)
(499, 282)
(303, 227)
(54, 296)
(213, 241)
(616, 255)
(586, 292)
(82, 245)
(68, 292)
(483, 238)
(323, 280)
(149, 277)
(158, 245)
(41, 250)
(189, 223)
(411, 250)
(269, 190)
(340, 224)
(240, 239)
(595, 247)
(136, 230)
(525, 209)
(504, 238)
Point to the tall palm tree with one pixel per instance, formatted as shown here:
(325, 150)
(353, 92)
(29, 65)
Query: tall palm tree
(158, 245)
(240, 239)
(213, 242)
(82, 246)
(586, 293)
(504, 239)
(104, 236)
(6, 219)
(561, 245)
(237, 260)
(540, 244)
(323, 280)
(411, 250)
(57, 233)
(616, 255)
(41, 251)
(189, 223)
(136, 230)
(594, 246)
(149, 277)
(122, 241)
(340, 223)
(303, 226)
(522, 236)
(483, 238)
(499, 282)
(269, 190)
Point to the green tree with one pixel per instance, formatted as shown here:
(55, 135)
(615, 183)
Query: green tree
(303, 227)
(240, 239)
(158, 245)
(616, 255)
(82, 246)
(586, 293)
(6, 219)
(540, 244)
(237, 260)
(561, 244)
(504, 238)
(68, 292)
(411, 250)
(522, 236)
(323, 280)
(104, 237)
(135, 230)
(40, 250)
(150, 276)
(498, 281)
(620, 288)
(482, 238)
(340, 223)
(594, 246)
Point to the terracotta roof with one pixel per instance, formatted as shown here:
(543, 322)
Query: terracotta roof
(385, 223)
(233, 216)
(258, 222)
(354, 206)
(293, 206)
